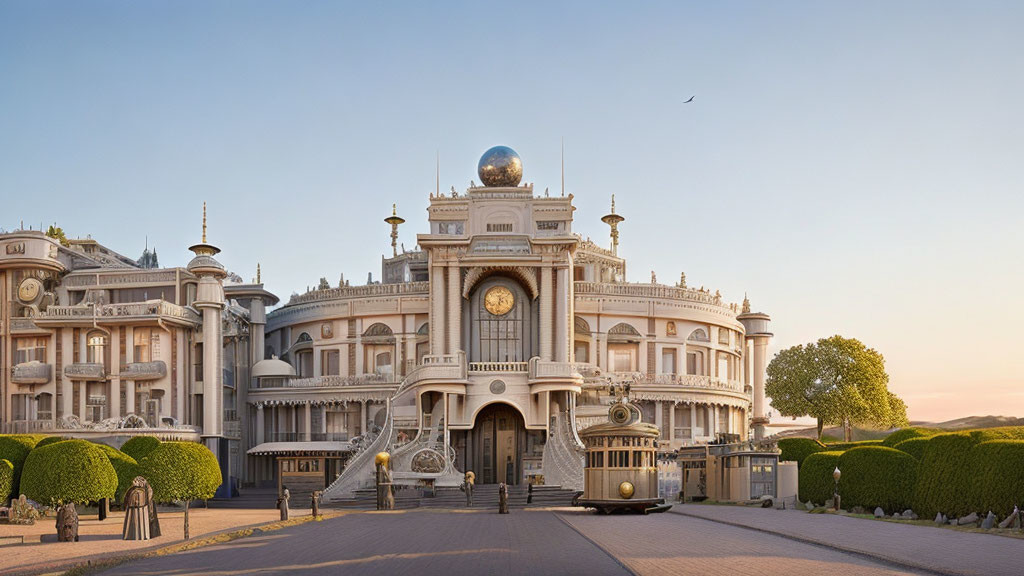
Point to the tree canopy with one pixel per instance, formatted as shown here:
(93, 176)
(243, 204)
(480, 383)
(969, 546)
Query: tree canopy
(835, 380)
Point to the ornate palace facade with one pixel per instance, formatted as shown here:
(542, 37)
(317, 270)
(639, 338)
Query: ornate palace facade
(486, 348)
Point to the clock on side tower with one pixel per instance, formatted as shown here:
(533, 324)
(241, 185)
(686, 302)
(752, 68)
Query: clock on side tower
(29, 290)
(499, 300)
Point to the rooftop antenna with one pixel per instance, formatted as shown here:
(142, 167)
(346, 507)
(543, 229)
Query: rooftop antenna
(437, 174)
(563, 165)
(394, 220)
(259, 279)
(204, 221)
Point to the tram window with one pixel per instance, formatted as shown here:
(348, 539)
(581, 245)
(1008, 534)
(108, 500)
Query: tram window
(599, 460)
(637, 459)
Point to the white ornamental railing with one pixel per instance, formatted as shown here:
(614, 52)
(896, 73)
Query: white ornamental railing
(497, 366)
(396, 289)
(131, 310)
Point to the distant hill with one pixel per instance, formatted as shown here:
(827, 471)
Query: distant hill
(835, 433)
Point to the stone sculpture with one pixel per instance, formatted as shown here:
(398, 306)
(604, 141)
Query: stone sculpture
(282, 502)
(502, 498)
(67, 523)
(136, 511)
(385, 496)
(22, 512)
(315, 503)
(467, 487)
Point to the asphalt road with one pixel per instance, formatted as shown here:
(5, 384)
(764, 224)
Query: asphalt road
(426, 543)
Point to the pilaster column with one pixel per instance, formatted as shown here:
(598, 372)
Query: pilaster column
(546, 313)
(454, 308)
(67, 357)
(562, 315)
(260, 424)
(671, 423)
(436, 309)
(114, 396)
(308, 422)
(213, 394)
(693, 421)
(760, 355)
(658, 418)
(360, 351)
(363, 424)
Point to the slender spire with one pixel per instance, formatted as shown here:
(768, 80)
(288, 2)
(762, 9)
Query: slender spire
(259, 278)
(437, 176)
(204, 222)
(746, 304)
(394, 220)
(612, 219)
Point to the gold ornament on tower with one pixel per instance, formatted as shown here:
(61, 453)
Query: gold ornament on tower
(499, 300)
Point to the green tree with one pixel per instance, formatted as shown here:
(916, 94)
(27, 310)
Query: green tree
(183, 471)
(837, 381)
(57, 233)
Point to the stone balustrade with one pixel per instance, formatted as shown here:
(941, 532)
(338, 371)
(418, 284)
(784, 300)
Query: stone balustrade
(649, 291)
(144, 370)
(148, 309)
(329, 381)
(85, 371)
(31, 373)
(370, 290)
(498, 366)
(545, 369)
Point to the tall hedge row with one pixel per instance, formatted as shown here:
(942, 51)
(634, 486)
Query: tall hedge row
(914, 446)
(877, 476)
(948, 478)
(125, 467)
(998, 470)
(798, 449)
(907, 433)
(15, 449)
(72, 471)
(6, 480)
(815, 476)
(138, 447)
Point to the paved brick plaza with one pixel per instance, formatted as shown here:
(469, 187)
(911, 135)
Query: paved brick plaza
(558, 542)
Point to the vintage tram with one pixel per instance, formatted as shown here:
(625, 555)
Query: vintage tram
(621, 470)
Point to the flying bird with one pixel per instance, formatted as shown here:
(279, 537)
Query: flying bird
(690, 100)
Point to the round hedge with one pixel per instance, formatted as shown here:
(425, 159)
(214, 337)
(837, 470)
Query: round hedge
(797, 449)
(998, 483)
(138, 447)
(876, 476)
(843, 446)
(815, 477)
(49, 440)
(914, 446)
(15, 448)
(72, 471)
(125, 467)
(907, 433)
(181, 471)
(6, 479)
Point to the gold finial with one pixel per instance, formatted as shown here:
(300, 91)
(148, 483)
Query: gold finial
(259, 280)
(204, 222)
(394, 209)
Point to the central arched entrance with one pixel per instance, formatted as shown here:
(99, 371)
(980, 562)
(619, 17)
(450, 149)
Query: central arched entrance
(495, 445)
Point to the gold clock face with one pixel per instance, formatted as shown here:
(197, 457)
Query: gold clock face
(29, 289)
(499, 300)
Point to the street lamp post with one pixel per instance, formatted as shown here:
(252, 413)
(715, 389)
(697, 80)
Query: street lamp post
(835, 497)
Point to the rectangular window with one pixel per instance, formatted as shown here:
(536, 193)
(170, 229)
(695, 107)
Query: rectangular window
(668, 361)
(723, 336)
(549, 225)
(693, 363)
(330, 363)
(147, 345)
(29, 350)
(499, 227)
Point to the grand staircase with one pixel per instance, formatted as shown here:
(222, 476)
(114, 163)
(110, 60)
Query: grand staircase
(485, 496)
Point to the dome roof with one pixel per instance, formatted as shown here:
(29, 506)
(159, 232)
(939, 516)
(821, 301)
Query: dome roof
(273, 368)
(500, 166)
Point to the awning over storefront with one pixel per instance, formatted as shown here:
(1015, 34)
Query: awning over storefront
(299, 448)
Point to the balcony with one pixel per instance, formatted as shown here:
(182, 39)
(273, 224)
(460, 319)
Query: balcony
(498, 366)
(90, 313)
(85, 371)
(695, 381)
(34, 372)
(144, 370)
(326, 381)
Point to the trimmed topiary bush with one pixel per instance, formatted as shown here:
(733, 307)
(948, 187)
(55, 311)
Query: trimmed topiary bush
(49, 440)
(181, 471)
(125, 467)
(138, 447)
(797, 449)
(877, 476)
(815, 476)
(907, 433)
(70, 471)
(914, 446)
(6, 480)
(842, 446)
(998, 483)
(15, 448)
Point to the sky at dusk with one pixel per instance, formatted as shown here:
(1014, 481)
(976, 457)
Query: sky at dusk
(857, 168)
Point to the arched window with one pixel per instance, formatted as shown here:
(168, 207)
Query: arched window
(97, 348)
(502, 331)
(699, 335)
